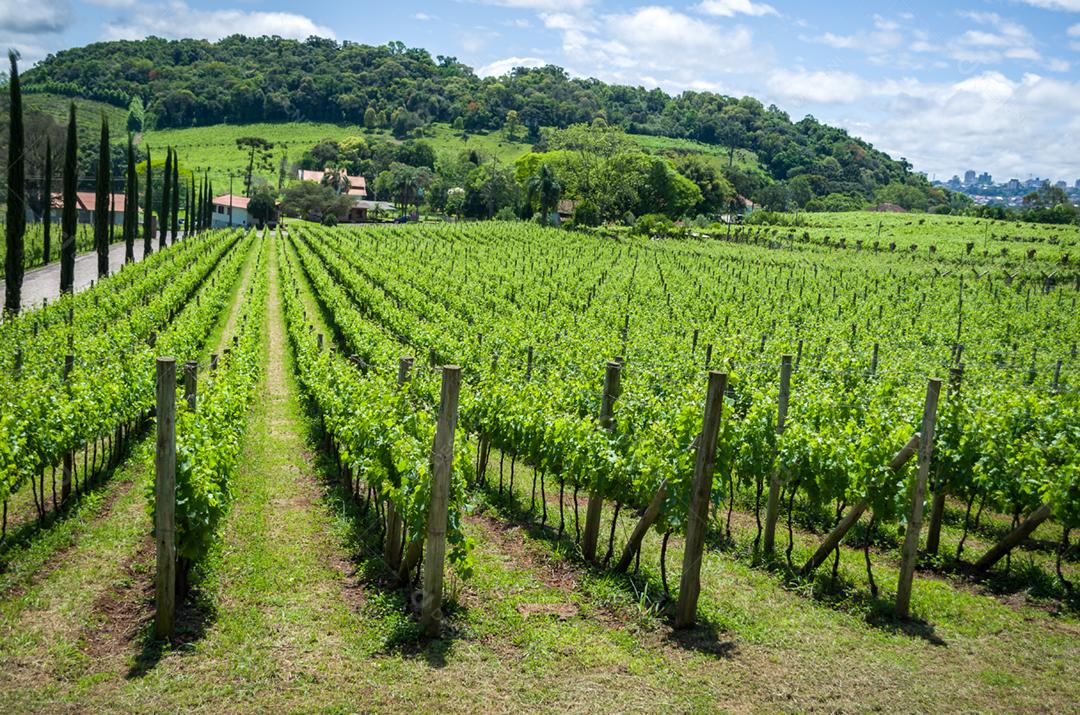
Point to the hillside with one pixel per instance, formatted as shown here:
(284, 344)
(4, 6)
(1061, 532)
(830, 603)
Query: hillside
(240, 80)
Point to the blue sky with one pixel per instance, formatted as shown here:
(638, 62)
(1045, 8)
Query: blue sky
(991, 85)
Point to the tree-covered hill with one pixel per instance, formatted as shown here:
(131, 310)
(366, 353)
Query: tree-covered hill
(240, 80)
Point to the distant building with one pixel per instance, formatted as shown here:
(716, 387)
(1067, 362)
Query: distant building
(985, 179)
(86, 202)
(1061, 185)
(1013, 185)
(1077, 184)
(362, 209)
(969, 177)
(239, 207)
(357, 185)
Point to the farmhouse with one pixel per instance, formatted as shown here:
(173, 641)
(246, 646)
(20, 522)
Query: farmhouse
(237, 206)
(352, 185)
(86, 201)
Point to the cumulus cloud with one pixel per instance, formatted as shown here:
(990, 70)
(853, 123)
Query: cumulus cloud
(177, 20)
(541, 5)
(730, 8)
(820, 86)
(34, 17)
(1067, 5)
(500, 67)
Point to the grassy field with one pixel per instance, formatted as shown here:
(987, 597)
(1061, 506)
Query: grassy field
(949, 234)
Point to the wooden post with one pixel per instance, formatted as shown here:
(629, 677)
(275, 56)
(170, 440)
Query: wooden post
(937, 505)
(318, 341)
(69, 456)
(1012, 539)
(910, 553)
(213, 362)
(633, 544)
(852, 517)
(874, 360)
(596, 497)
(165, 499)
(442, 464)
(773, 507)
(394, 525)
(191, 369)
(697, 523)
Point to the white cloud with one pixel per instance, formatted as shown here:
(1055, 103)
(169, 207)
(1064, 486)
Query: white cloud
(542, 5)
(1074, 31)
(1067, 5)
(177, 19)
(731, 8)
(500, 67)
(34, 17)
(821, 86)
(424, 17)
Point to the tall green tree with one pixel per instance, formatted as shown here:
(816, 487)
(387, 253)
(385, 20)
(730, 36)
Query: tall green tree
(547, 190)
(208, 206)
(174, 229)
(148, 208)
(16, 196)
(131, 203)
(259, 156)
(166, 195)
(190, 223)
(101, 203)
(46, 190)
(69, 219)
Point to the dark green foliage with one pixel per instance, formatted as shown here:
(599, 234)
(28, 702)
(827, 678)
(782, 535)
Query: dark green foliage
(148, 210)
(46, 200)
(102, 218)
(174, 204)
(70, 216)
(166, 195)
(16, 202)
(131, 203)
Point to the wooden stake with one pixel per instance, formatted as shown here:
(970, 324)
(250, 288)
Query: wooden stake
(442, 464)
(773, 507)
(1012, 539)
(633, 544)
(852, 517)
(69, 456)
(596, 497)
(910, 553)
(698, 515)
(394, 525)
(191, 369)
(165, 499)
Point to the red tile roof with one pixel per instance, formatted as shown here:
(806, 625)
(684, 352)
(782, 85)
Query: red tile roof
(87, 201)
(238, 202)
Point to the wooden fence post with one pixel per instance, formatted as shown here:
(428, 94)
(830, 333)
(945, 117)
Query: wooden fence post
(165, 499)
(852, 517)
(773, 507)
(910, 553)
(1012, 539)
(191, 372)
(937, 505)
(596, 498)
(394, 525)
(697, 520)
(442, 464)
(69, 456)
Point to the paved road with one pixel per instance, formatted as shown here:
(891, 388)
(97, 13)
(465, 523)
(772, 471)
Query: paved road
(44, 282)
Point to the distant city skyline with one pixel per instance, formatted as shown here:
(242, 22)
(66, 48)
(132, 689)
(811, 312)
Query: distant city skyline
(988, 83)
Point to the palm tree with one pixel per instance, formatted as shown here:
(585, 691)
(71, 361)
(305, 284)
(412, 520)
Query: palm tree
(547, 189)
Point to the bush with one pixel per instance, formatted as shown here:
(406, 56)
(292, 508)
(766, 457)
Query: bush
(505, 214)
(329, 220)
(586, 214)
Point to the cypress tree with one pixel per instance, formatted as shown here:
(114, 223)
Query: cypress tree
(166, 194)
(46, 189)
(16, 193)
(101, 203)
(148, 208)
(131, 204)
(175, 203)
(192, 221)
(209, 202)
(69, 219)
